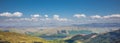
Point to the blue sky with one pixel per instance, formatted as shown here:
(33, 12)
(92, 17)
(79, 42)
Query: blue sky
(72, 11)
(65, 8)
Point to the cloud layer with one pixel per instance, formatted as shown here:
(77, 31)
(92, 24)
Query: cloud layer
(106, 17)
(16, 18)
(79, 15)
(15, 14)
(96, 16)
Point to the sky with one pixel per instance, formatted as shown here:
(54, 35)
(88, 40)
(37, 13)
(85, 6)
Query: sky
(59, 12)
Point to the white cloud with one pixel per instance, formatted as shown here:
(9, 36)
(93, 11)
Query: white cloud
(107, 16)
(112, 16)
(35, 15)
(6, 14)
(79, 15)
(15, 14)
(46, 16)
(56, 17)
(63, 19)
(96, 16)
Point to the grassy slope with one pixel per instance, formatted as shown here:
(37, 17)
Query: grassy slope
(17, 38)
(22, 38)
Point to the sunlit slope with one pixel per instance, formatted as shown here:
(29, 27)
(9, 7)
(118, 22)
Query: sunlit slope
(11, 37)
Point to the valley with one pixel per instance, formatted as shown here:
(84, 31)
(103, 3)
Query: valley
(107, 37)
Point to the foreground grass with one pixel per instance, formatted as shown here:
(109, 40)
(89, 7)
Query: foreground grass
(11, 37)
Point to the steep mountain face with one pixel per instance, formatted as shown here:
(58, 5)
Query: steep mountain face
(109, 37)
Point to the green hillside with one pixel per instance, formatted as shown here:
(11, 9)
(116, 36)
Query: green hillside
(11, 37)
